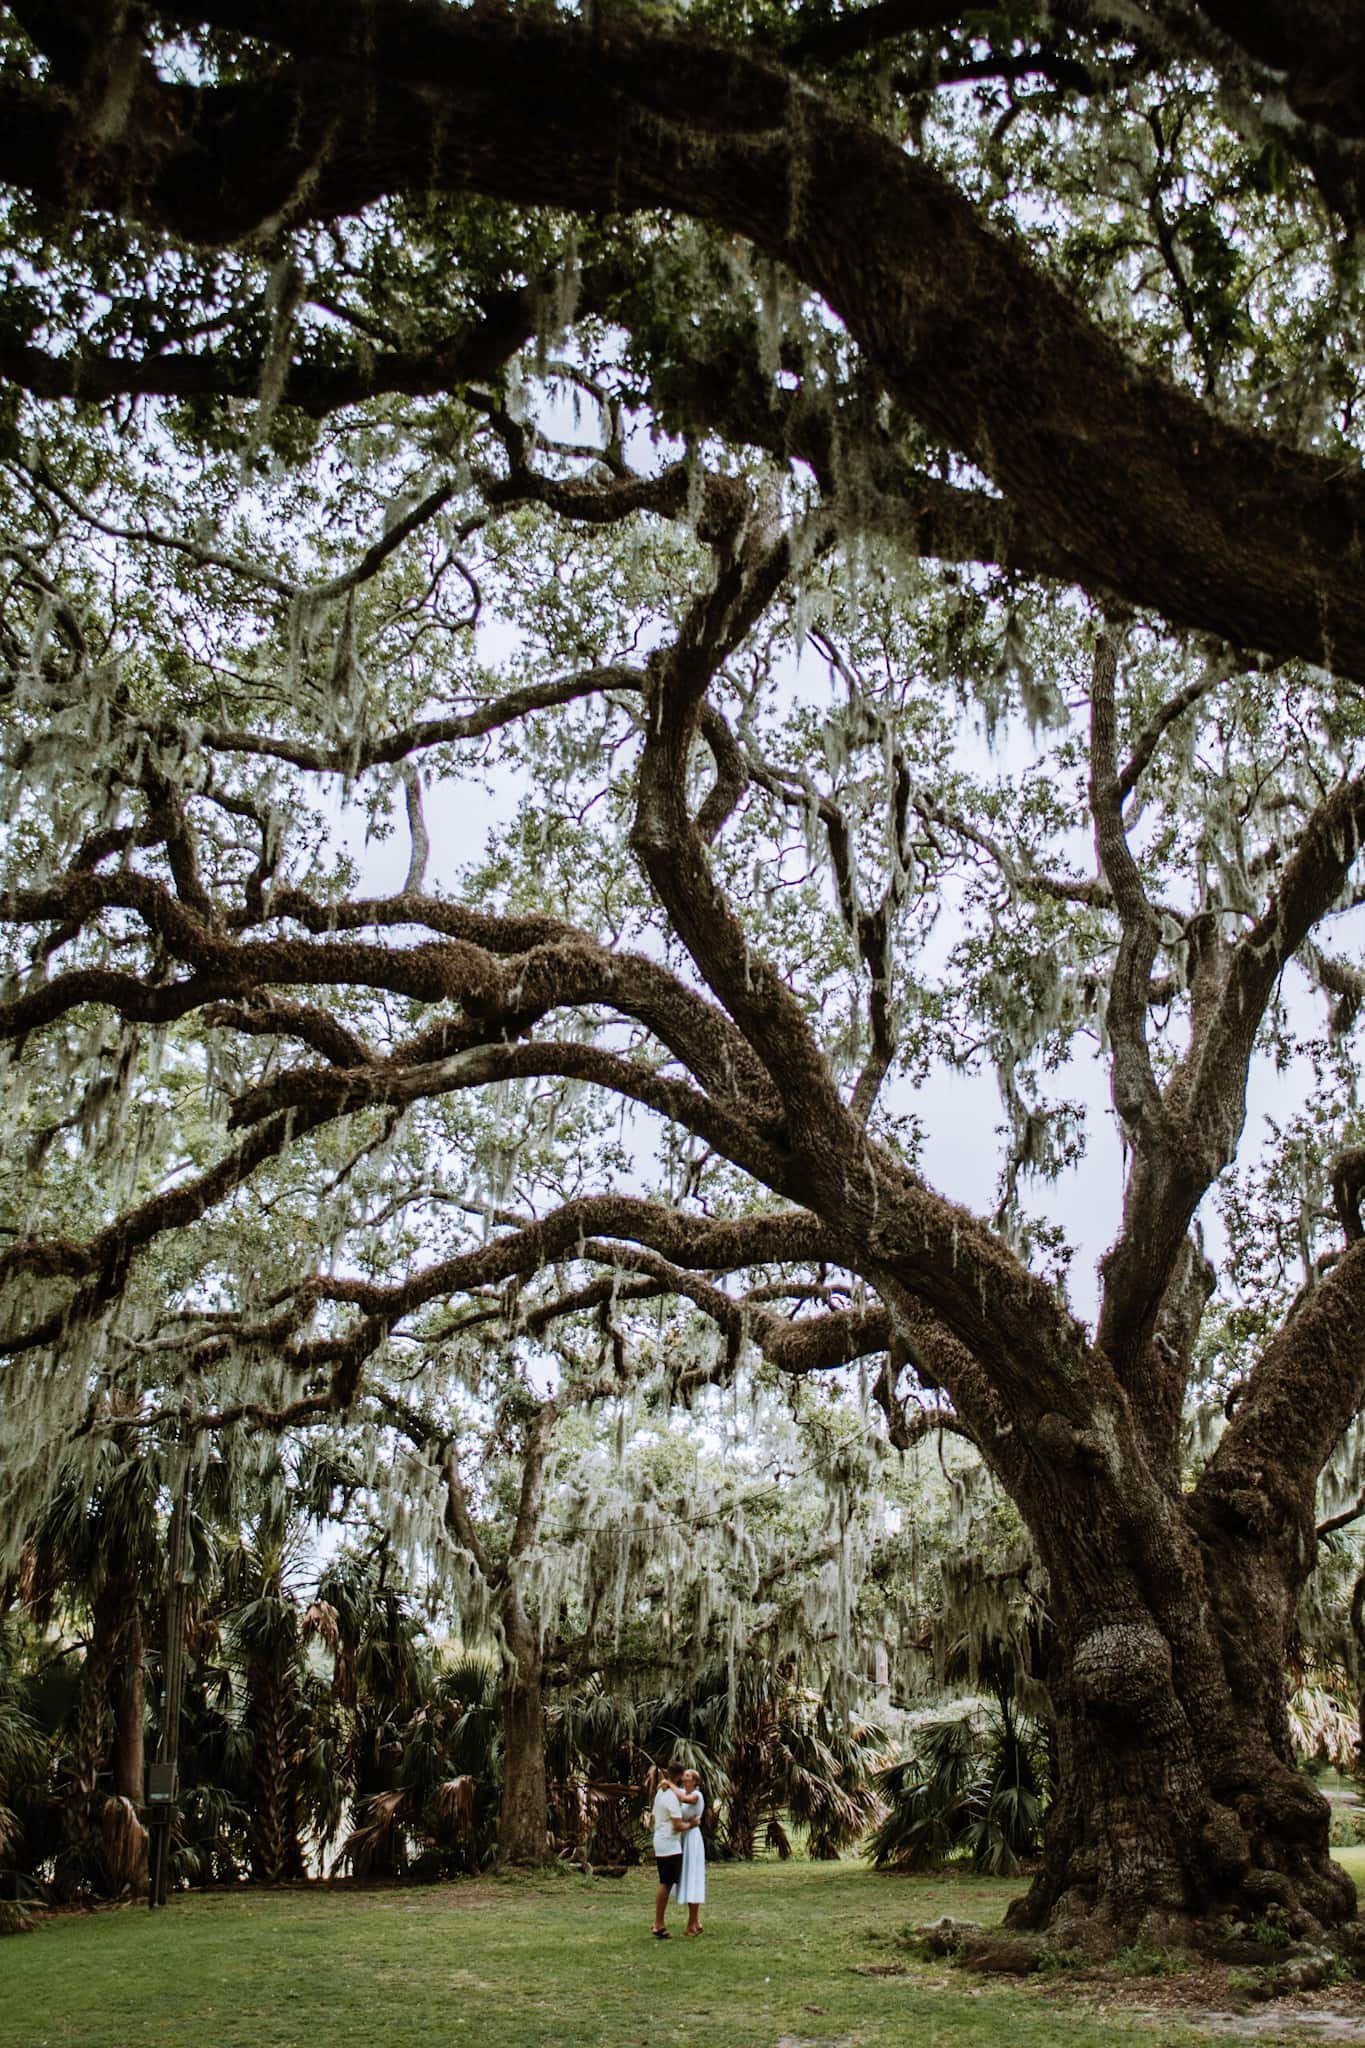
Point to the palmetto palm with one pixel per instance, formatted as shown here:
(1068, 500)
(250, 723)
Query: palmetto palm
(437, 1811)
(783, 1751)
(602, 1750)
(973, 1787)
(265, 1633)
(26, 1754)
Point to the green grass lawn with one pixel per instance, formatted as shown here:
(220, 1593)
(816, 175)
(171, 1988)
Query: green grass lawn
(788, 1961)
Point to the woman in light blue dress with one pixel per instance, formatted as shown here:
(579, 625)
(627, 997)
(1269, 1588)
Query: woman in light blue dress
(690, 1890)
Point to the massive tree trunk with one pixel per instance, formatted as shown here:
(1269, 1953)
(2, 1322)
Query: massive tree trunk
(1178, 1798)
(523, 1819)
(523, 1831)
(1178, 1793)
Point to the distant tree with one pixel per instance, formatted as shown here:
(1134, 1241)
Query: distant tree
(605, 1547)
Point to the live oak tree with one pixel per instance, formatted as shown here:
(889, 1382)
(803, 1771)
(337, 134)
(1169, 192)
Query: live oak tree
(592, 1542)
(1007, 359)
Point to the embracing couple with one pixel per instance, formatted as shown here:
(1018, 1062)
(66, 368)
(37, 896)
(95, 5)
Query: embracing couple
(678, 1850)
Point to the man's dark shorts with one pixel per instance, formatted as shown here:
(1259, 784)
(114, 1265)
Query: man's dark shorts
(669, 1868)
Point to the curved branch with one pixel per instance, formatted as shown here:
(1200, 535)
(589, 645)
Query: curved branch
(1301, 1395)
(104, 1258)
(581, 1229)
(262, 1015)
(387, 748)
(326, 1094)
(469, 964)
(474, 353)
(1149, 739)
(1158, 498)
(1136, 1096)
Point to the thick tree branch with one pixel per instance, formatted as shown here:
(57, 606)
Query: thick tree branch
(1204, 1104)
(1213, 525)
(469, 965)
(1303, 1392)
(1343, 1520)
(1136, 1096)
(474, 353)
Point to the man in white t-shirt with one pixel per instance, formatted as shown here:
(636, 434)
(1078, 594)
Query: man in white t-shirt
(669, 1829)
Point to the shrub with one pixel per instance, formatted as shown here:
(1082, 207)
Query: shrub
(1140, 1960)
(973, 1788)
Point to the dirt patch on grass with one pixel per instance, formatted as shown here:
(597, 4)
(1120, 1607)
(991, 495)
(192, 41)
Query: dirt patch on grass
(1320, 2026)
(1212, 1997)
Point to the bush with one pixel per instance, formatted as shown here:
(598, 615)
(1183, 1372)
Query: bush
(15, 1917)
(1140, 1960)
(972, 1789)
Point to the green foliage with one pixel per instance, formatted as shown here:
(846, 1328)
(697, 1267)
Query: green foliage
(436, 1816)
(243, 635)
(1347, 1829)
(972, 1789)
(26, 1769)
(1141, 1959)
(778, 1750)
(1253, 1984)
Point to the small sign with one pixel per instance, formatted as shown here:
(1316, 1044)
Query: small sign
(162, 1784)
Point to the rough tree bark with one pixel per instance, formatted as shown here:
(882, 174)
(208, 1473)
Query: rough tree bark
(1179, 1792)
(273, 1720)
(523, 1815)
(523, 1832)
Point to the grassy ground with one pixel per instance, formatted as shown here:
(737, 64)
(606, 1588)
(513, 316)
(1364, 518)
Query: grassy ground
(791, 1959)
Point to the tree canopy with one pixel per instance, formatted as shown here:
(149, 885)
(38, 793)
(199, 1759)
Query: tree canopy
(702, 425)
